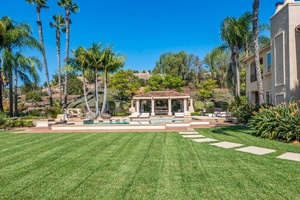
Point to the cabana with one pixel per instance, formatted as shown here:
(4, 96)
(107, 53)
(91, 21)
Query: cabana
(161, 103)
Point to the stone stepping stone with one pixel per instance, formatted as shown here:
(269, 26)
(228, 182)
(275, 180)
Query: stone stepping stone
(188, 133)
(290, 156)
(256, 150)
(193, 136)
(205, 140)
(227, 145)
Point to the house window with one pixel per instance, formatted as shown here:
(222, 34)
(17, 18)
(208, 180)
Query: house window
(268, 67)
(268, 97)
(253, 73)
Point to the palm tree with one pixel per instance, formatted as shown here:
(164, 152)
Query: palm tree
(24, 68)
(39, 5)
(18, 36)
(2, 33)
(111, 63)
(79, 61)
(256, 51)
(58, 24)
(234, 32)
(95, 59)
(69, 6)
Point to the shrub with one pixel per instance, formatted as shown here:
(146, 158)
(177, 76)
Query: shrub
(33, 96)
(53, 111)
(224, 105)
(120, 114)
(277, 122)
(195, 114)
(198, 105)
(210, 107)
(244, 112)
(124, 105)
(34, 112)
(2, 118)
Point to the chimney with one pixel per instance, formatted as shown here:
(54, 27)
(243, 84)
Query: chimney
(278, 5)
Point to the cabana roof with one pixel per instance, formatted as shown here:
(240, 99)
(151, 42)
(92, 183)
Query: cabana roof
(161, 94)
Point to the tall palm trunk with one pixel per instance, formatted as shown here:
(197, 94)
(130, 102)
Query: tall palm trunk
(256, 51)
(104, 92)
(10, 77)
(58, 64)
(1, 87)
(67, 57)
(84, 93)
(39, 22)
(96, 93)
(15, 93)
(237, 72)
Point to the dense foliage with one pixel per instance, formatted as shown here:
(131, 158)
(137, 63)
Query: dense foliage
(277, 122)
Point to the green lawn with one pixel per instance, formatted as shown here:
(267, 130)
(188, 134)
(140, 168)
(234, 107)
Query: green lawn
(143, 166)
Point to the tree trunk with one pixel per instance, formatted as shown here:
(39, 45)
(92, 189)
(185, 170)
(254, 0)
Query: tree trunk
(39, 22)
(15, 93)
(67, 57)
(237, 72)
(96, 94)
(58, 64)
(10, 93)
(84, 93)
(233, 65)
(104, 92)
(1, 87)
(256, 51)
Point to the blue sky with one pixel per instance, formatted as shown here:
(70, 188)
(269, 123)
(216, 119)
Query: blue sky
(140, 29)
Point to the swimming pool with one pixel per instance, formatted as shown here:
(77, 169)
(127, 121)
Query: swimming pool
(153, 121)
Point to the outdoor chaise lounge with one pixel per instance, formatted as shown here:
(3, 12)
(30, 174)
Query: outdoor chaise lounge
(134, 115)
(144, 115)
(60, 119)
(179, 114)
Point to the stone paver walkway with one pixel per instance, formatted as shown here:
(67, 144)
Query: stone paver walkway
(290, 156)
(205, 140)
(227, 145)
(256, 150)
(193, 136)
(188, 133)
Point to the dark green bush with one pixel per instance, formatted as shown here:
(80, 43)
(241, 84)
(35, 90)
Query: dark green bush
(195, 114)
(120, 114)
(53, 111)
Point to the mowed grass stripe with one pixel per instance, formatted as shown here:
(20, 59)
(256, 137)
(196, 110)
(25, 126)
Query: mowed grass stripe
(114, 172)
(77, 171)
(21, 151)
(31, 170)
(170, 174)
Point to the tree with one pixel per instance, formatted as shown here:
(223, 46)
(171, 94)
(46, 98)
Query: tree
(39, 5)
(24, 68)
(234, 32)
(206, 88)
(58, 24)
(111, 63)
(69, 7)
(217, 62)
(181, 64)
(126, 83)
(80, 61)
(18, 36)
(165, 82)
(256, 51)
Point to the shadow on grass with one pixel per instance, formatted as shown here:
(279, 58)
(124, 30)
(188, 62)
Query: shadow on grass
(226, 130)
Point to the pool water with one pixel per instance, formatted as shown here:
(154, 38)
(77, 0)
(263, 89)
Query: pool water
(154, 121)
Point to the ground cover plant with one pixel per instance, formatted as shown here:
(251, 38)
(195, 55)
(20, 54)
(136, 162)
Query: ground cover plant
(160, 165)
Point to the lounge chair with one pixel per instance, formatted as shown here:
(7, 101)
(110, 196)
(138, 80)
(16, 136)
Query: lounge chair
(134, 115)
(60, 118)
(179, 114)
(144, 115)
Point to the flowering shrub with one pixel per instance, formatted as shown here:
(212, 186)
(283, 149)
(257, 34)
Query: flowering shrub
(277, 122)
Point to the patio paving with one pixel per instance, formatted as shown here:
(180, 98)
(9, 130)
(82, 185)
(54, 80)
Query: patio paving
(256, 150)
(227, 145)
(290, 156)
(205, 140)
(193, 136)
(188, 133)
